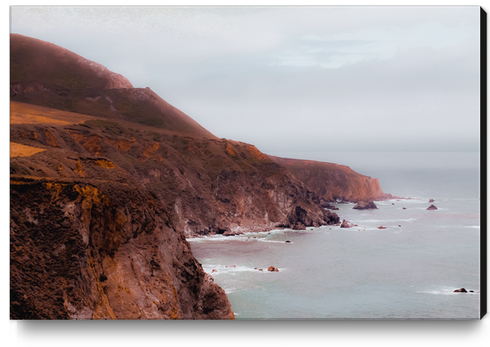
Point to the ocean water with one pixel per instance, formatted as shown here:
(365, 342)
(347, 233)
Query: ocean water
(406, 271)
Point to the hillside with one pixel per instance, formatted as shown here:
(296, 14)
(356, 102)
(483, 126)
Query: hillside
(47, 75)
(38, 65)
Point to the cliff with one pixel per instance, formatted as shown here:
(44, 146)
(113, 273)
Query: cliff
(108, 180)
(98, 250)
(333, 182)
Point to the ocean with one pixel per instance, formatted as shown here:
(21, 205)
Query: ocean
(407, 271)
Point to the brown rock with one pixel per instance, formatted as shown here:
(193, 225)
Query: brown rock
(365, 205)
(232, 233)
(431, 207)
(326, 204)
(299, 226)
(461, 290)
(382, 227)
(346, 224)
(272, 269)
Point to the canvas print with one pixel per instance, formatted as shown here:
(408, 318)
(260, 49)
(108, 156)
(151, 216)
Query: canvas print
(243, 162)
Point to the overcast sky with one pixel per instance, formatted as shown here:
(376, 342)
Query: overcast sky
(292, 78)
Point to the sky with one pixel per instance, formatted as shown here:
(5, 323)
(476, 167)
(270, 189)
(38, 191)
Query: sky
(292, 79)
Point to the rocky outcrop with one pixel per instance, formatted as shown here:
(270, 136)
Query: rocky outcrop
(460, 290)
(431, 201)
(431, 207)
(273, 269)
(347, 224)
(102, 251)
(298, 219)
(365, 205)
(333, 182)
(326, 204)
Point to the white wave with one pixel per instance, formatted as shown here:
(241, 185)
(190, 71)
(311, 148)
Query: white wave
(445, 292)
(272, 241)
(436, 292)
(412, 200)
(272, 232)
(424, 208)
(220, 269)
(209, 268)
(409, 220)
(218, 238)
(456, 226)
(229, 290)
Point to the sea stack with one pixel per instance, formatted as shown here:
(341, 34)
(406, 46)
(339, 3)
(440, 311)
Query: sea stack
(365, 205)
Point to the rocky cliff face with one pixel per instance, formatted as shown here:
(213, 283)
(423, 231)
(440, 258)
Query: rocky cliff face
(208, 186)
(102, 251)
(333, 182)
(103, 196)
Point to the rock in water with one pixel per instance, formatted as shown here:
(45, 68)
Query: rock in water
(460, 290)
(365, 205)
(346, 224)
(431, 201)
(273, 269)
(326, 204)
(431, 207)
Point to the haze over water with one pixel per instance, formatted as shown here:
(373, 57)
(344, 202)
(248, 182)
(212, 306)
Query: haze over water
(408, 270)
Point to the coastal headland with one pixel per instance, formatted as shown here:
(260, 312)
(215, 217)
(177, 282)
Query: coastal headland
(108, 181)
